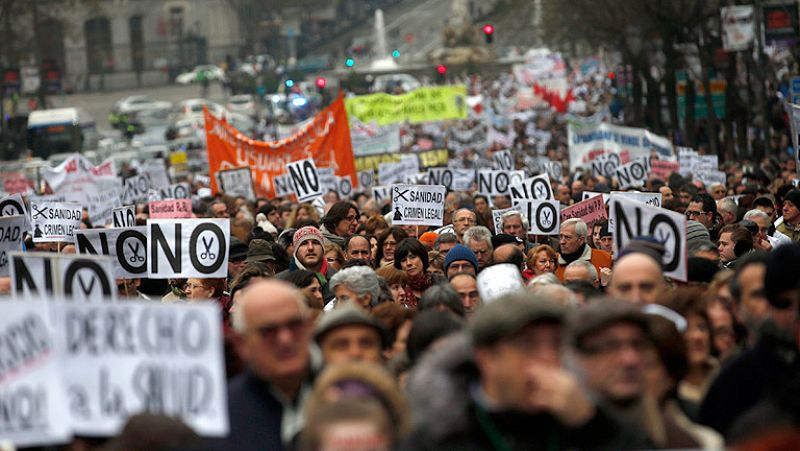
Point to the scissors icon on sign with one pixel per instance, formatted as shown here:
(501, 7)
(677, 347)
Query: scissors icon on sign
(207, 245)
(135, 257)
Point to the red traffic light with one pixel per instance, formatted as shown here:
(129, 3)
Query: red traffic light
(321, 82)
(611, 75)
(442, 69)
(488, 29)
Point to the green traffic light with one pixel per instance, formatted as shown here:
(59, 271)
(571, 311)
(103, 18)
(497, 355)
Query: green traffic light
(396, 54)
(349, 62)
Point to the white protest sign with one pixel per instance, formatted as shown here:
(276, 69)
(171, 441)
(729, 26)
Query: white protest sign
(327, 179)
(503, 160)
(344, 186)
(416, 179)
(633, 174)
(687, 159)
(13, 205)
(124, 216)
(605, 165)
(237, 182)
(418, 204)
(632, 219)
(710, 177)
(83, 278)
(32, 396)
(140, 356)
(554, 170)
(588, 140)
(543, 216)
(493, 183)
(12, 229)
(176, 191)
(497, 280)
(180, 248)
(135, 189)
(389, 173)
(590, 194)
(497, 218)
(366, 178)
(440, 176)
(651, 199)
(100, 205)
(156, 171)
(127, 247)
(537, 187)
(55, 221)
(380, 193)
(283, 185)
(305, 179)
(462, 179)
(707, 162)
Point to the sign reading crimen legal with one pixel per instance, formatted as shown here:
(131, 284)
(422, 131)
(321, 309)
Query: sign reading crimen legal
(418, 204)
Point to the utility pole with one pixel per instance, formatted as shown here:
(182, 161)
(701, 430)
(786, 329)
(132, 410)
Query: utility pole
(761, 94)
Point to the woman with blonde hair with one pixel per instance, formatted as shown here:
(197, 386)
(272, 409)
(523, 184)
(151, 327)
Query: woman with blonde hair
(541, 260)
(302, 212)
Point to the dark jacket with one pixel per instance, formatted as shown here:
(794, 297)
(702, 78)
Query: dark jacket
(447, 417)
(757, 374)
(255, 416)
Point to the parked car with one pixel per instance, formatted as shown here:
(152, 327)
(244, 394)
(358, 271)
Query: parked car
(194, 107)
(210, 72)
(136, 104)
(242, 104)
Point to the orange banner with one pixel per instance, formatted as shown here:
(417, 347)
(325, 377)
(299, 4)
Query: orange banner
(326, 139)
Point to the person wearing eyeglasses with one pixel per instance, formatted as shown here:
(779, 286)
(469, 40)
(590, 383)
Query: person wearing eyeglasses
(703, 209)
(340, 222)
(463, 219)
(274, 330)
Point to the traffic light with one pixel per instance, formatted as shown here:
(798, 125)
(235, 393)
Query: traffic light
(441, 70)
(488, 33)
(289, 82)
(349, 62)
(321, 83)
(396, 54)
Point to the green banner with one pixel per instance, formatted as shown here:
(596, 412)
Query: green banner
(437, 103)
(427, 159)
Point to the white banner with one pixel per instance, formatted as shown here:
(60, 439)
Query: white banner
(418, 205)
(34, 403)
(140, 356)
(180, 248)
(81, 278)
(55, 221)
(237, 182)
(533, 188)
(305, 179)
(632, 219)
(127, 247)
(738, 27)
(633, 174)
(543, 216)
(588, 141)
(373, 140)
(77, 175)
(12, 229)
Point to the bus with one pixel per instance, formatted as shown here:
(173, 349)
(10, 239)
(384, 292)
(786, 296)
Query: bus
(61, 130)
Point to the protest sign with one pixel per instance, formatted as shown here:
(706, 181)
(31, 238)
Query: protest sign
(325, 139)
(32, 397)
(135, 189)
(633, 174)
(707, 162)
(632, 219)
(237, 182)
(100, 205)
(389, 173)
(156, 171)
(687, 160)
(497, 280)
(84, 278)
(537, 187)
(437, 103)
(590, 194)
(651, 199)
(587, 141)
(140, 356)
(554, 170)
(492, 182)
(55, 221)
(503, 161)
(327, 179)
(372, 140)
(176, 191)
(13, 205)
(380, 193)
(344, 186)
(793, 111)
(180, 248)
(282, 185)
(440, 176)
(77, 175)
(124, 216)
(126, 246)
(543, 216)
(605, 165)
(497, 217)
(16, 182)
(663, 168)
(420, 178)
(589, 211)
(305, 179)
(173, 208)
(12, 230)
(425, 159)
(366, 178)
(709, 177)
(418, 204)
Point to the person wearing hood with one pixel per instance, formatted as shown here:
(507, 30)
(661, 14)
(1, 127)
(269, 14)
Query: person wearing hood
(340, 223)
(310, 255)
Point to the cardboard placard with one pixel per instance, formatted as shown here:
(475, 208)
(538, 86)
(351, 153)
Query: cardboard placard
(126, 246)
(710, 177)
(12, 230)
(155, 170)
(605, 165)
(181, 248)
(124, 216)
(176, 191)
(135, 189)
(589, 211)
(503, 161)
(493, 183)
(82, 278)
(173, 208)
(497, 218)
(13, 205)
(543, 216)
(237, 182)
(634, 173)
(305, 179)
(55, 221)
(533, 188)
(663, 168)
(418, 204)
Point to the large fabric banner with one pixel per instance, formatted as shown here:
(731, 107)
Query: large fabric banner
(326, 140)
(437, 103)
(587, 142)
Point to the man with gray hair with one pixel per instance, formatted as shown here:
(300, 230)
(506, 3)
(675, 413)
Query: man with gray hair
(581, 270)
(763, 222)
(513, 223)
(479, 240)
(356, 284)
(727, 209)
(463, 218)
(444, 242)
(573, 247)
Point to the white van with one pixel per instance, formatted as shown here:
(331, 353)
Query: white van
(61, 130)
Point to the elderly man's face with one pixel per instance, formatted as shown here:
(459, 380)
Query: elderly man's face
(569, 240)
(637, 278)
